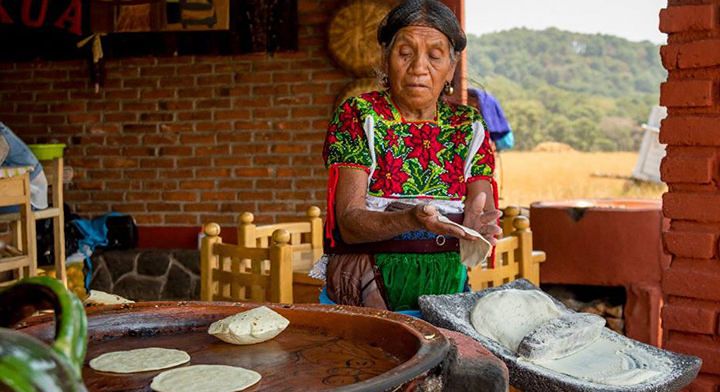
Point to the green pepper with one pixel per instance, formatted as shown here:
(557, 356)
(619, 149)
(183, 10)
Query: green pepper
(26, 364)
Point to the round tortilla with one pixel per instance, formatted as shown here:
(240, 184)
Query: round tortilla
(253, 326)
(506, 316)
(139, 360)
(205, 378)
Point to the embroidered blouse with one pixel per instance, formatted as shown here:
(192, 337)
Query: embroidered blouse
(432, 159)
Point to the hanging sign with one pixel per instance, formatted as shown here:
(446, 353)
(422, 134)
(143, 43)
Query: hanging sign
(66, 15)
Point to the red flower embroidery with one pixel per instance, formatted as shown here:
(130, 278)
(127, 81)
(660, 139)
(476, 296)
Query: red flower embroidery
(391, 138)
(349, 120)
(389, 177)
(459, 138)
(486, 159)
(454, 176)
(330, 139)
(424, 144)
(379, 105)
(458, 119)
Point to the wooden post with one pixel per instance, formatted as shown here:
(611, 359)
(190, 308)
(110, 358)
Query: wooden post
(246, 231)
(281, 268)
(58, 219)
(30, 237)
(208, 259)
(529, 269)
(316, 232)
(460, 79)
(506, 222)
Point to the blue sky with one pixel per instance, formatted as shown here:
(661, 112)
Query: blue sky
(636, 20)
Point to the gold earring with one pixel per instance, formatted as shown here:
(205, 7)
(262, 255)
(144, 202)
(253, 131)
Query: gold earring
(449, 89)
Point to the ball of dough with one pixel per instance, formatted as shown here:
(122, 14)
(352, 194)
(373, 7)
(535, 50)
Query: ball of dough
(506, 316)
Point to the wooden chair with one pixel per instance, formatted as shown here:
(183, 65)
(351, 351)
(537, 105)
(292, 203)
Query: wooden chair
(306, 236)
(240, 273)
(53, 169)
(15, 191)
(306, 242)
(514, 255)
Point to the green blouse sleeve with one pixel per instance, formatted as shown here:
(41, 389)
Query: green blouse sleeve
(345, 142)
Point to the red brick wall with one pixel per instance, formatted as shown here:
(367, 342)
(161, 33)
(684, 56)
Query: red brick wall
(184, 140)
(692, 132)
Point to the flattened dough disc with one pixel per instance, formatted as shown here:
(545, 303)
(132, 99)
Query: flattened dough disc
(139, 360)
(205, 378)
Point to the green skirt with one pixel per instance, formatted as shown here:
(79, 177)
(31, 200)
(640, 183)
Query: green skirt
(410, 275)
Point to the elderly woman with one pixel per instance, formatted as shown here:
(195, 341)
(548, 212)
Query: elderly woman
(398, 159)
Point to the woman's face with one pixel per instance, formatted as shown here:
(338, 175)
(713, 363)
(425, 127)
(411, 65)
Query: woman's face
(419, 64)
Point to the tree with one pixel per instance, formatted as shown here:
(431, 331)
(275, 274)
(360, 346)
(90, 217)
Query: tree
(590, 91)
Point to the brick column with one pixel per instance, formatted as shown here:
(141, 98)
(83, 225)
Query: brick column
(692, 132)
(458, 7)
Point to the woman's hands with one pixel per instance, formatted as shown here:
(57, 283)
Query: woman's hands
(426, 217)
(358, 225)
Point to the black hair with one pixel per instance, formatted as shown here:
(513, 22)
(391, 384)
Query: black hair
(430, 13)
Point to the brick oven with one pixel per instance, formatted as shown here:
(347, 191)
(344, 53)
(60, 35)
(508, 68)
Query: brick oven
(604, 246)
(691, 284)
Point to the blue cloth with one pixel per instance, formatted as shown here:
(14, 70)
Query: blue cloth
(19, 153)
(416, 235)
(325, 300)
(506, 142)
(494, 117)
(94, 234)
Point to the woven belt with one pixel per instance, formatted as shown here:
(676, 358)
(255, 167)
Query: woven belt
(437, 245)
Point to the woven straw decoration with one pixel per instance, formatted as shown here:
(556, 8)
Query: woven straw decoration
(353, 35)
(356, 88)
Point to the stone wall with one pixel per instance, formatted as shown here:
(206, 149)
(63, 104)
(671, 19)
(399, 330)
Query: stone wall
(691, 170)
(148, 275)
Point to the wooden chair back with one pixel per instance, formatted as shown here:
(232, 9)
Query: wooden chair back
(19, 261)
(240, 273)
(306, 237)
(53, 170)
(514, 255)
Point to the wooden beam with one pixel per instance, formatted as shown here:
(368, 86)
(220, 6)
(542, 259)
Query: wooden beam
(460, 96)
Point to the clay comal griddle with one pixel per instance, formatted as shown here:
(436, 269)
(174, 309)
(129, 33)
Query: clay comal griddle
(323, 348)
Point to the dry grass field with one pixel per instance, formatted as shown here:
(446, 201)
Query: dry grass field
(526, 177)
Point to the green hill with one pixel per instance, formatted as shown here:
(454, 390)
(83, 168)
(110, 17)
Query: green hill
(589, 91)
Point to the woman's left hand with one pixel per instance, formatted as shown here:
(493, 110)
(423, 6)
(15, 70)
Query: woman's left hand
(483, 221)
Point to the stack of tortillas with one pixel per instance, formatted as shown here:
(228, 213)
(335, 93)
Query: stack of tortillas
(251, 327)
(98, 297)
